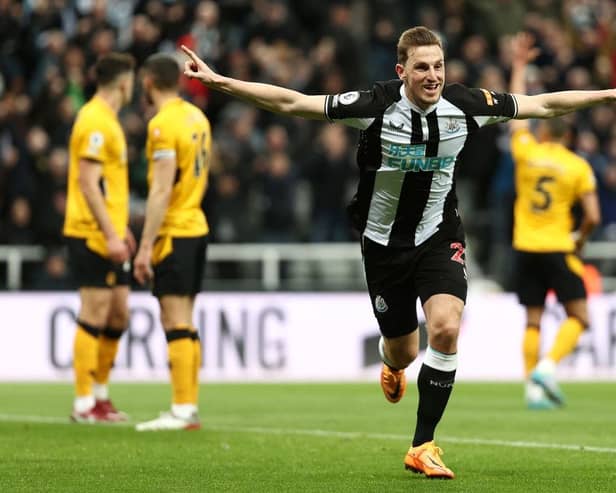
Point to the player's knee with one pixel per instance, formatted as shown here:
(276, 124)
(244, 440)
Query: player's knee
(402, 353)
(94, 312)
(582, 319)
(167, 319)
(443, 335)
(95, 304)
(578, 309)
(581, 315)
(171, 319)
(402, 357)
(119, 317)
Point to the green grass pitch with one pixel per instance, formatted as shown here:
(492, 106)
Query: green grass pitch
(308, 438)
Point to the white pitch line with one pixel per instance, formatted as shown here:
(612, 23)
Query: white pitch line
(385, 436)
(524, 444)
(17, 418)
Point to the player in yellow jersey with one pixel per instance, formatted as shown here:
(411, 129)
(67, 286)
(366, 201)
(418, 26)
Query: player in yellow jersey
(97, 235)
(549, 181)
(174, 234)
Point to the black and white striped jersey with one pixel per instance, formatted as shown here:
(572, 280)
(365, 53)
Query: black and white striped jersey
(407, 156)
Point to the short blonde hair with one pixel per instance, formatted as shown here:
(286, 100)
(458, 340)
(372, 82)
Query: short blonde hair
(416, 36)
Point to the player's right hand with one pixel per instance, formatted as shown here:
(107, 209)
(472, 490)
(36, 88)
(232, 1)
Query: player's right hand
(142, 270)
(195, 68)
(118, 250)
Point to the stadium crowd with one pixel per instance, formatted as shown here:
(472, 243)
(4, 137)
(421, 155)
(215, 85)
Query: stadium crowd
(280, 180)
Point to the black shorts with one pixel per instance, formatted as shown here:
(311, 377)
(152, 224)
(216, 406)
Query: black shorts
(537, 273)
(396, 277)
(89, 269)
(181, 271)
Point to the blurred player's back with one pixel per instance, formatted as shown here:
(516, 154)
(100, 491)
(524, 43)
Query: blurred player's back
(182, 126)
(549, 181)
(97, 135)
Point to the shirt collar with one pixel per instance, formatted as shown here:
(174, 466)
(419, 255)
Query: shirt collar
(413, 106)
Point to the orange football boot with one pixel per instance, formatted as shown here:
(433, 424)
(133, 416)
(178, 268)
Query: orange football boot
(426, 459)
(393, 383)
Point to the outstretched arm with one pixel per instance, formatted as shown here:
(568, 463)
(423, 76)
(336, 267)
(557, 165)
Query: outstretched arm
(266, 96)
(547, 105)
(550, 105)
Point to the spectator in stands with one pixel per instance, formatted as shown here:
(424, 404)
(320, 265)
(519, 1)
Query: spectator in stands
(278, 182)
(145, 39)
(607, 197)
(206, 31)
(330, 172)
(50, 200)
(36, 78)
(54, 274)
(18, 229)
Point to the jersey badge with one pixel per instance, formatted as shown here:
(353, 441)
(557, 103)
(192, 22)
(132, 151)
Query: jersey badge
(452, 126)
(380, 305)
(95, 142)
(349, 97)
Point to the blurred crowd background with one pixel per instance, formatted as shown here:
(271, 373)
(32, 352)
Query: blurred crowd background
(278, 179)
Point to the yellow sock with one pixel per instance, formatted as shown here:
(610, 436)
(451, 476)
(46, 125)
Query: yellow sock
(196, 365)
(566, 339)
(108, 344)
(85, 354)
(181, 364)
(530, 348)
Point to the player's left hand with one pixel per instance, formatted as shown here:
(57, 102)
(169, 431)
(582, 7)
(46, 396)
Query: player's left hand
(523, 49)
(142, 269)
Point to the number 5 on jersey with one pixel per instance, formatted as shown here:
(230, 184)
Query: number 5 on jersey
(546, 196)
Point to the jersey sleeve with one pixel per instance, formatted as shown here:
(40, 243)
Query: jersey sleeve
(91, 140)
(485, 107)
(358, 108)
(522, 143)
(161, 140)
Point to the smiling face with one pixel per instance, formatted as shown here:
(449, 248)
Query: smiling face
(423, 74)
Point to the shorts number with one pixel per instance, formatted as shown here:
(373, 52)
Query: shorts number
(546, 196)
(459, 252)
(200, 153)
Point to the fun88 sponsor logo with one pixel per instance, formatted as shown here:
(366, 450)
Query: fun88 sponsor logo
(412, 157)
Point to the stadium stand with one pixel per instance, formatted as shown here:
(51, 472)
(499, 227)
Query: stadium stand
(268, 180)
